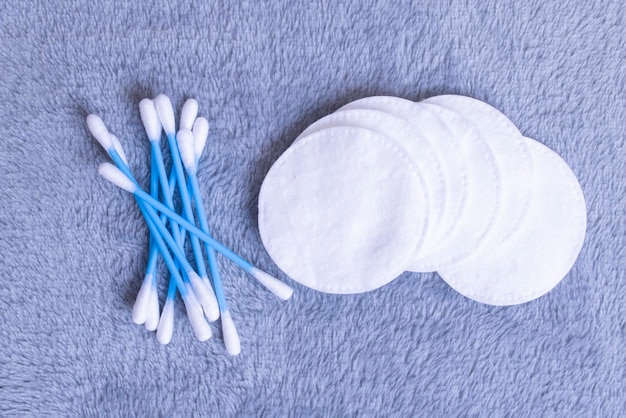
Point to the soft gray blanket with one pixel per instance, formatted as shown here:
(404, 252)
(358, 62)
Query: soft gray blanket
(74, 248)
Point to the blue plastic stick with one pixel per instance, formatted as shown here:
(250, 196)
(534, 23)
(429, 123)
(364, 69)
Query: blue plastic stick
(167, 190)
(215, 272)
(184, 195)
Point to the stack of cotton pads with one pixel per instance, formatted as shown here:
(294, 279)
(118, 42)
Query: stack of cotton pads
(385, 185)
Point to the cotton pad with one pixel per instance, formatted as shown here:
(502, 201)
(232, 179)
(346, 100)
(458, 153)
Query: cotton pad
(446, 147)
(513, 159)
(482, 201)
(343, 210)
(536, 257)
(401, 132)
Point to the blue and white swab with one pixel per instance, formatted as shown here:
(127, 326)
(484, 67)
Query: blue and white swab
(110, 143)
(278, 288)
(194, 310)
(165, 113)
(165, 326)
(166, 323)
(153, 319)
(152, 124)
(186, 145)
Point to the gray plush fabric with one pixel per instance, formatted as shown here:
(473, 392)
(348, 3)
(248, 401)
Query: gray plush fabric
(74, 248)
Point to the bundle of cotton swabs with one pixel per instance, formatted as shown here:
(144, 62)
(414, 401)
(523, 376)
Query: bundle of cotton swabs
(203, 297)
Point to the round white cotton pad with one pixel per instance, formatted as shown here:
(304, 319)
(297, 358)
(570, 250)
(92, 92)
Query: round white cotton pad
(482, 201)
(535, 258)
(401, 132)
(343, 210)
(446, 146)
(514, 161)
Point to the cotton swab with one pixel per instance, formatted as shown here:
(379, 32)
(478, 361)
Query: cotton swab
(146, 298)
(153, 318)
(140, 309)
(120, 179)
(166, 323)
(194, 310)
(147, 310)
(185, 140)
(165, 113)
(153, 125)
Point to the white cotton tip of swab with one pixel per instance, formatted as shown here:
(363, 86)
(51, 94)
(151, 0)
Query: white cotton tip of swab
(201, 328)
(118, 147)
(165, 111)
(231, 336)
(205, 296)
(140, 308)
(188, 114)
(184, 137)
(150, 119)
(152, 322)
(200, 136)
(278, 288)
(115, 176)
(99, 130)
(166, 323)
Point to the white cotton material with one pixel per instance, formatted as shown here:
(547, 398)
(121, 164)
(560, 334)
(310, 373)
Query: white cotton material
(150, 119)
(152, 321)
(188, 114)
(200, 326)
(403, 134)
(184, 138)
(165, 111)
(482, 201)
(538, 255)
(115, 176)
(447, 149)
(205, 295)
(231, 336)
(118, 147)
(513, 159)
(279, 289)
(166, 323)
(200, 136)
(343, 210)
(99, 131)
(140, 308)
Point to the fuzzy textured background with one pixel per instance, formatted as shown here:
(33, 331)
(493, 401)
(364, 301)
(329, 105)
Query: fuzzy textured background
(74, 248)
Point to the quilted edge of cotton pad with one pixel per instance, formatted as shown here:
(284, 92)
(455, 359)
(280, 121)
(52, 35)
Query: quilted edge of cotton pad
(507, 127)
(576, 246)
(394, 273)
(355, 117)
(444, 255)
